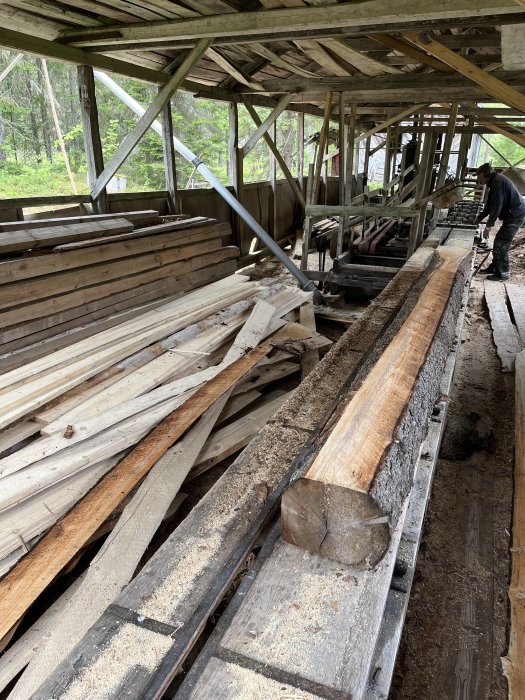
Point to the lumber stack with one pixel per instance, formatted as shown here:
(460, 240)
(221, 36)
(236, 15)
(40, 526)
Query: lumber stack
(62, 280)
(85, 424)
(355, 488)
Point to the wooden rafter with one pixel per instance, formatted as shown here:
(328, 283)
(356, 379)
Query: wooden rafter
(227, 65)
(491, 85)
(363, 63)
(412, 52)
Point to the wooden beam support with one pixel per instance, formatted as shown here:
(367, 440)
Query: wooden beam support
(412, 52)
(339, 508)
(149, 116)
(517, 138)
(275, 152)
(92, 142)
(491, 85)
(321, 210)
(363, 63)
(447, 145)
(266, 124)
(326, 20)
(231, 69)
(323, 139)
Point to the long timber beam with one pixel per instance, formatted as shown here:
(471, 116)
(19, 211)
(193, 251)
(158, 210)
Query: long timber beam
(365, 17)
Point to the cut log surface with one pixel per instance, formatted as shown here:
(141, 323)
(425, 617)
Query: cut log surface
(330, 511)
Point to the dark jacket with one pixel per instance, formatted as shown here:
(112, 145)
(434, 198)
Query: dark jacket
(504, 200)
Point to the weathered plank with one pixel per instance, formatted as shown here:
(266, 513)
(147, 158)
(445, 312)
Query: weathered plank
(513, 662)
(27, 239)
(505, 334)
(516, 295)
(29, 578)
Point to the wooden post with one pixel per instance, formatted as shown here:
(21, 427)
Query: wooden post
(425, 167)
(464, 145)
(236, 173)
(386, 169)
(343, 143)
(300, 149)
(92, 142)
(349, 176)
(168, 151)
(273, 183)
(447, 145)
(307, 226)
(323, 138)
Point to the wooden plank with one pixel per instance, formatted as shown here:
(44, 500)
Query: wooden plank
(310, 358)
(55, 550)
(166, 286)
(322, 210)
(364, 64)
(62, 258)
(138, 218)
(50, 384)
(147, 119)
(516, 296)
(126, 273)
(512, 662)
(185, 227)
(330, 511)
(491, 85)
(411, 51)
(47, 236)
(505, 335)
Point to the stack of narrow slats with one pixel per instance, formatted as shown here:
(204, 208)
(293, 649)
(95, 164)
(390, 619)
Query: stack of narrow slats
(82, 407)
(107, 332)
(62, 281)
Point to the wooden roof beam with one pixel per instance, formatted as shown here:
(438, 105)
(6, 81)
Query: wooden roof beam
(412, 52)
(331, 20)
(491, 85)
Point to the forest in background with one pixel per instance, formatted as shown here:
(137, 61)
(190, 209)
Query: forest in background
(31, 163)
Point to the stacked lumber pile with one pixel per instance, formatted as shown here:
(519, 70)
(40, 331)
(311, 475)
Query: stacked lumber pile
(60, 281)
(85, 423)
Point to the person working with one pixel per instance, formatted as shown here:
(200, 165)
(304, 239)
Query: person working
(506, 203)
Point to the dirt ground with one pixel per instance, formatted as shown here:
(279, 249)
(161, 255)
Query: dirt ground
(457, 622)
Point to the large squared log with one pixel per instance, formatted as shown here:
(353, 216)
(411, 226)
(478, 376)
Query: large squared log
(353, 492)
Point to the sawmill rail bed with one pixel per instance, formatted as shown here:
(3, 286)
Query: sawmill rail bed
(166, 607)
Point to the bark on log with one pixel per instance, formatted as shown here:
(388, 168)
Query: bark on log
(343, 507)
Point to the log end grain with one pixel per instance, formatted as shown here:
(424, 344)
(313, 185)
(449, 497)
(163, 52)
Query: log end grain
(338, 523)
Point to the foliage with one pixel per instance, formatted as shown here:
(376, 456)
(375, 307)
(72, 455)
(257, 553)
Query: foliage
(31, 163)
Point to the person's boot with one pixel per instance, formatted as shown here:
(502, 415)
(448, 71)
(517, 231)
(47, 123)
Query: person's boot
(489, 270)
(498, 278)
